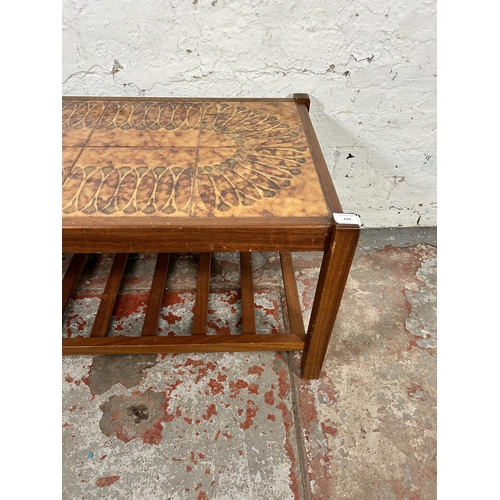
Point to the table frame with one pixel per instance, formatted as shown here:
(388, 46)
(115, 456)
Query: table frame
(338, 243)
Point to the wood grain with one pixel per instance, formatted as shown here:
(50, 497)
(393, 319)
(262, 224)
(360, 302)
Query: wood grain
(153, 310)
(202, 293)
(302, 99)
(166, 175)
(189, 235)
(103, 316)
(292, 294)
(331, 283)
(199, 343)
(71, 277)
(325, 178)
(247, 299)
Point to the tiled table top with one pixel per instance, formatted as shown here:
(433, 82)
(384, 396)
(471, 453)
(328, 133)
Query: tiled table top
(191, 158)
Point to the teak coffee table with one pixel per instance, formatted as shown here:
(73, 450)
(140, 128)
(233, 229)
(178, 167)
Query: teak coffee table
(168, 175)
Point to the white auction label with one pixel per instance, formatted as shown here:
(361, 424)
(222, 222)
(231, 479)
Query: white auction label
(347, 219)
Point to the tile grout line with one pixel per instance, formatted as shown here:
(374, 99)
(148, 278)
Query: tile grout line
(301, 449)
(84, 145)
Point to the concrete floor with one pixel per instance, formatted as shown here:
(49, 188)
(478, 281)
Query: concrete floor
(231, 426)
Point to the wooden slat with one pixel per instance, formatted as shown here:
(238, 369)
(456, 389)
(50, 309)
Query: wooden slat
(101, 322)
(155, 301)
(204, 343)
(292, 294)
(247, 300)
(202, 291)
(71, 277)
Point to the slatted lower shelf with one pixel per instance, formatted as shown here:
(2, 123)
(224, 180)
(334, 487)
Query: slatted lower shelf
(198, 341)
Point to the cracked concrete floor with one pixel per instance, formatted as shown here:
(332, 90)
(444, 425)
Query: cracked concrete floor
(245, 425)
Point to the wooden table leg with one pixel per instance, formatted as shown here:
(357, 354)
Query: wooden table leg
(335, 269)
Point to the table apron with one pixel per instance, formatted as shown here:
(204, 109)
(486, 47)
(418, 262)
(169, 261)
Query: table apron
(157, 240)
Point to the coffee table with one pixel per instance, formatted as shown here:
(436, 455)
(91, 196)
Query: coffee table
(167, 175)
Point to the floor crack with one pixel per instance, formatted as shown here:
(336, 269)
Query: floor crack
(299, 435)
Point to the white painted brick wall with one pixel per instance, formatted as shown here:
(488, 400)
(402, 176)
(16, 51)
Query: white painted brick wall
(369, 68)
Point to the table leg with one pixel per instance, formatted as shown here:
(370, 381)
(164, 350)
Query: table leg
(335, 269)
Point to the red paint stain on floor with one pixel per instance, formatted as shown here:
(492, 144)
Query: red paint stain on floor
(81, 323)
(106, 481)
(416, 392)
(172, 298)
(128, 304)
(153, 435)
(236, 387)
(269, 397)
(215, 387)
(203, 371)
(122, 435)
(211, 411)
(190, 363)
(197, 364)
(328, 429)
(401, 492)
(253, 389)
(218, 328)
(256, 370)
(250, 412)
(171, 318)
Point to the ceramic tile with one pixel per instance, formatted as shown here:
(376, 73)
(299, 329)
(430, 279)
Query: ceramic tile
(252, 159)
(79, 118)
(256, 183)
(252, 125)
(69, 155)
(144, 124)
(134, 182)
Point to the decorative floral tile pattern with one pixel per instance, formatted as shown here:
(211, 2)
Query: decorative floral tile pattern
(184, 158)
